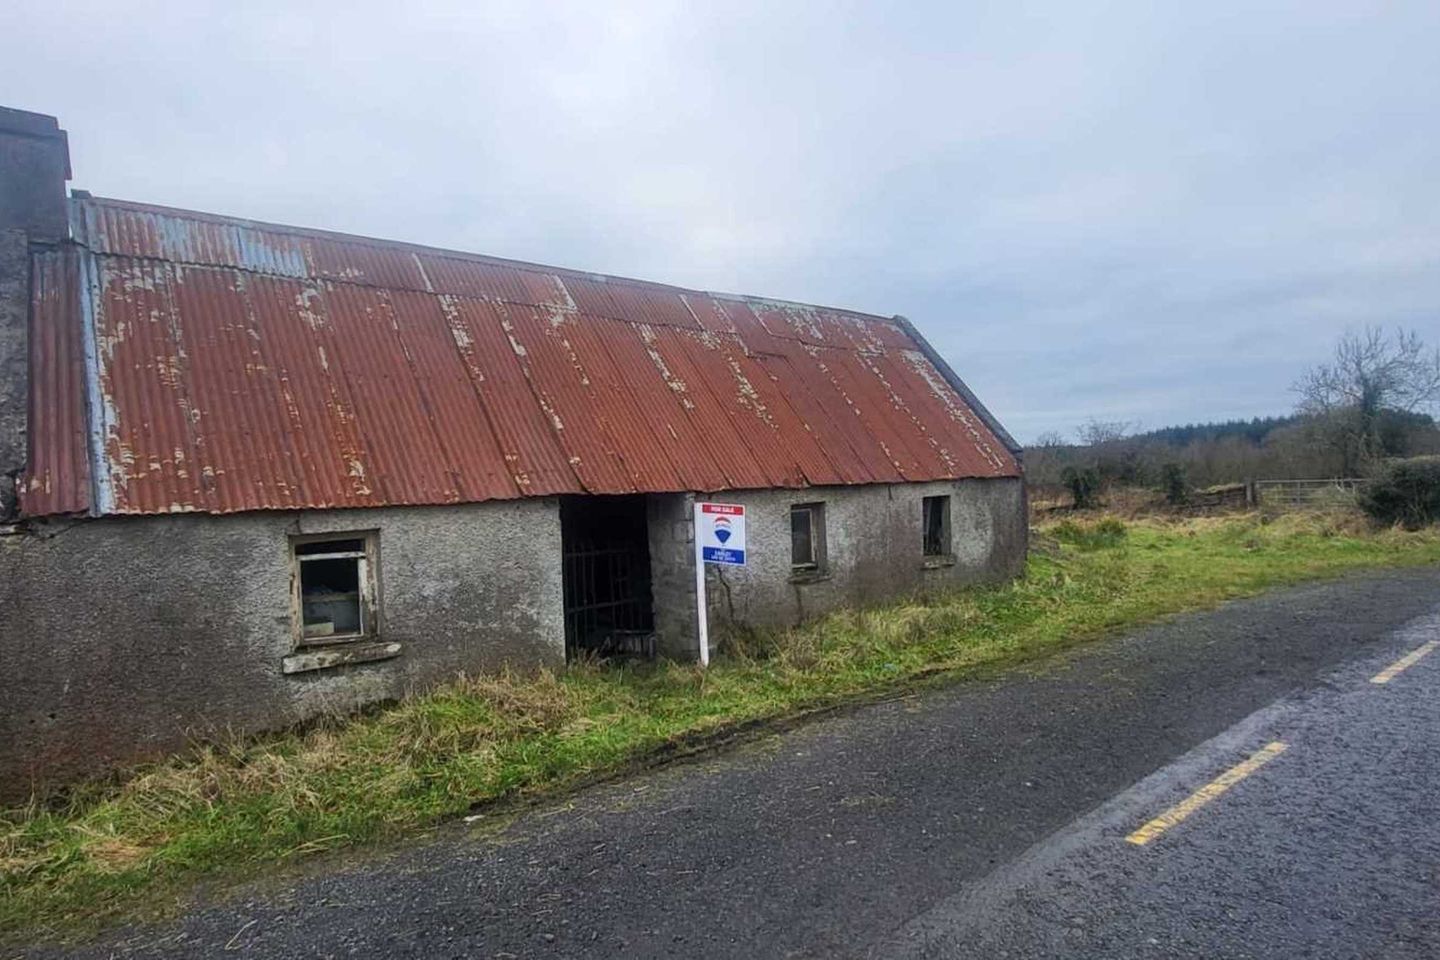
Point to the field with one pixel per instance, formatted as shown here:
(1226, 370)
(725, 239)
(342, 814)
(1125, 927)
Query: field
(137, 843)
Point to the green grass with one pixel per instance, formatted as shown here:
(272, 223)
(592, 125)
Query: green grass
(113, 849)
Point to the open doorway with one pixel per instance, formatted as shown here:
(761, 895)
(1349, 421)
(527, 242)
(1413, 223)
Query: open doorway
(608, 601)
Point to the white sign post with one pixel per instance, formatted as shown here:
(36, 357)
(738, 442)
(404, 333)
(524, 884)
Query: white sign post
(719, 538)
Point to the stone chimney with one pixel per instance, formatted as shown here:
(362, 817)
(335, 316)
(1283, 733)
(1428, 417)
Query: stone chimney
(34, 165)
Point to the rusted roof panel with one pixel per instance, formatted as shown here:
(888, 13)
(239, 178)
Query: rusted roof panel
(321, 435)
(243, 366)
(452, 404)
(565, 394)
(965, 444)
(526, 436)
(836, 411)
(662, 399)
(676, 357)
(493, 281)
(649, 454)
(635, 302)
(160, 234)
(57, 479)
(767, 400)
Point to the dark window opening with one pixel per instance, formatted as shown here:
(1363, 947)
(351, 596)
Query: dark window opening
(935, 513)
(807, 536)
(605, 542)
(334, 589)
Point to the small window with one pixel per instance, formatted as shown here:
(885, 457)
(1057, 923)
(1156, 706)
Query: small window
(336, 591)
(807, 536)
(935, 515)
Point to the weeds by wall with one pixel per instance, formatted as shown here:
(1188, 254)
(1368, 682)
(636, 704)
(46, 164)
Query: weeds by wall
(108, 848)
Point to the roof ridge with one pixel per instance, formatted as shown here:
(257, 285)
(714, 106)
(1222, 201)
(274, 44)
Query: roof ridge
(463, 255)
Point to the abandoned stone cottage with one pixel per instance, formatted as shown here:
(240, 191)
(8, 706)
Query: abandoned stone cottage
(257, 472)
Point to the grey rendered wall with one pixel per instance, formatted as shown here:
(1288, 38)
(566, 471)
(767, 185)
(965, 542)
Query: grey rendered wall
(120, 637)
(873, 549)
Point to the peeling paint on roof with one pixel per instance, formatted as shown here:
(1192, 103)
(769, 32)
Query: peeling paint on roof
(188, 362)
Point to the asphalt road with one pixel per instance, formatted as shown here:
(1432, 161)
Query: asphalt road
(988, 819)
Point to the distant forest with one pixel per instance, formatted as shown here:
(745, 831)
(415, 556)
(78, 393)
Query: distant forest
(1232, 451)
(1255, 431)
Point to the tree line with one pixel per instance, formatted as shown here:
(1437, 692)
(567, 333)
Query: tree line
(1370, 403)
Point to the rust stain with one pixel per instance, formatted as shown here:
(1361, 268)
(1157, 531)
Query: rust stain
(243, 366)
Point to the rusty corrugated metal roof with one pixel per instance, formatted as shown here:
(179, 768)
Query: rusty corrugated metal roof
(186, 362)
(58, 476)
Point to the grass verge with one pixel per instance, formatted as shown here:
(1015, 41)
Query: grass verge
(108, 850)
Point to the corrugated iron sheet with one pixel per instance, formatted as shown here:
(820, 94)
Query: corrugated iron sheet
(241, 366)
(58, 478)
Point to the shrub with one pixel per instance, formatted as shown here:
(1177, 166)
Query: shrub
(1406, 492)
(1174, 483)
(1083, 484)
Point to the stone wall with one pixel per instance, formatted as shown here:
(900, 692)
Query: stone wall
(14, 378)
(672, 573)
(34, 165)
(120, 637)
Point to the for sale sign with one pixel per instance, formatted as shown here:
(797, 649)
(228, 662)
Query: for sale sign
(720, 528)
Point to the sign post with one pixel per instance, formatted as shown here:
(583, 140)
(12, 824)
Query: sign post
(719, 538)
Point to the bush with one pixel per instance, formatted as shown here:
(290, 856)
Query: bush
(1174, 483)
(1084, 485)
(1406, 492)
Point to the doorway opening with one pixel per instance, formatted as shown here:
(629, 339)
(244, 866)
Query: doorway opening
(609, 609)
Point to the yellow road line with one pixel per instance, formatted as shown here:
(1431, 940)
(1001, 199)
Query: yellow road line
(1205, 794)
(1405, 662)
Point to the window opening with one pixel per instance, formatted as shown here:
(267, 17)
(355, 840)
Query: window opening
(333, 589)
(807, 536)
(935, 512)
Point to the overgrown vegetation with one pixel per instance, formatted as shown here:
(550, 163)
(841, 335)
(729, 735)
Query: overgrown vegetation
(1105, 532)
(1175, 484)
(110, 849)
(1083, 484)
(1405, 492)
(1374, 383)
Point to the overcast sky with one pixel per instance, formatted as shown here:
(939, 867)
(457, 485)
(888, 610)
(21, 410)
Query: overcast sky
(1157, 212)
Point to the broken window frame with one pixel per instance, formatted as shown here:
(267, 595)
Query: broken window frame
(938, 546)
(815, 514)
(366, 563)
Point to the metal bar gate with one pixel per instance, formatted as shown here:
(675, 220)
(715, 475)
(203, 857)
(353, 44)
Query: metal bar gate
(608, 599)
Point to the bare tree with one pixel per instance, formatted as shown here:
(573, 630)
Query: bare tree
(1050, 438)
(1094, 433)
(1371, 373)
(1043, 458)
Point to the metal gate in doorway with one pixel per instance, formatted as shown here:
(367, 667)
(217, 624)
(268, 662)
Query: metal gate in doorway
(608, 603)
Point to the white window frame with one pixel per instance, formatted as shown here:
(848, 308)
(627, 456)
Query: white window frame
(365, 559)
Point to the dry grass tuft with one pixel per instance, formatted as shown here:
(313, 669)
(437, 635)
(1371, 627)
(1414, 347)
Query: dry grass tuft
(113, 854)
